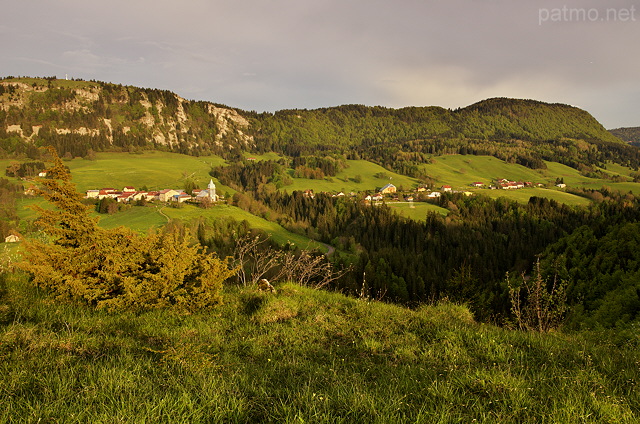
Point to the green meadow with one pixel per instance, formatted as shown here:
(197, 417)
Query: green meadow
(301, 356)
(460, 171)
(523, 195)
(137, 218)
(345, 180)
(278, 234)
(416, 210)
(158, 170)
(153, 169)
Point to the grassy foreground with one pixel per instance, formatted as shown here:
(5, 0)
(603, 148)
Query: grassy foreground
(300, 356)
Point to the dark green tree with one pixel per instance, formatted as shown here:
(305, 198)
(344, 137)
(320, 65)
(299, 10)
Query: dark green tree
(74, 258)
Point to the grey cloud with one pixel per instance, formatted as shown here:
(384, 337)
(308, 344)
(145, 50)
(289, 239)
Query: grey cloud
(274, 54)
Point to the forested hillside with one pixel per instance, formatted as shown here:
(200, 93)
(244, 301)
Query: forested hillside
(630, 134)
(80, 117)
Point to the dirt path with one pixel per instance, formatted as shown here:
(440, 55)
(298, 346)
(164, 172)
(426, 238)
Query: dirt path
(163, 214)
(330, 249)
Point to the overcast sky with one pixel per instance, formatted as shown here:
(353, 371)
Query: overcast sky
(278, 54)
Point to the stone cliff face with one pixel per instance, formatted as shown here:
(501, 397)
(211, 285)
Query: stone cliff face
(102, 115)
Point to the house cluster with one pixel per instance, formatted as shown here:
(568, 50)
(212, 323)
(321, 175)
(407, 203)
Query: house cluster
(130, 194)
(505, 184)
(392, 190)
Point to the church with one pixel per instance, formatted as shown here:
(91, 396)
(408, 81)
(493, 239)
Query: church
(209, 193)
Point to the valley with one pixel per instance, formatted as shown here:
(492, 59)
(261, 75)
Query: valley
(402, 283)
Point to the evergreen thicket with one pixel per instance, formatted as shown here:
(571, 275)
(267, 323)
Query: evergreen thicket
(76, 259)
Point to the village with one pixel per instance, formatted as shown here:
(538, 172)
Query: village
(130, 194)
(421, 193)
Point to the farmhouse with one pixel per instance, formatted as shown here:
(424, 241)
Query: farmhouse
(445, 188)
(93, 194)
(181, 197)
(375, 198)
(389, 188)
(167, 194)
(125, 197)
(434, 195)
(477, 184)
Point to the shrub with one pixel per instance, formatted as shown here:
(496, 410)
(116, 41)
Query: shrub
(117, 268)
(537, 304)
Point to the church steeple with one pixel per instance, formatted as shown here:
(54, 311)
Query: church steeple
(211, 188)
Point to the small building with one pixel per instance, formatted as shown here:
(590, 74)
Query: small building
(445, 188)
(561, 185)
(128, 189)
(434, 195)
(167, 194)
(376, 198)
(477, 184)
(409, 199)
(421, 189)
(181, 197)
(31, 190)
(124, 197)
(93, 194)
(139, 195)
(389, 188)
(11, 238)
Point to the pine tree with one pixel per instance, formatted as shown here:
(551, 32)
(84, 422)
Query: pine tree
(76, 259)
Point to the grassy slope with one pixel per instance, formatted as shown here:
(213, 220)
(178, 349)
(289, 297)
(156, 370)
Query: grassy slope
(459, 171)
(156, 170)
(300, 356)
(416, 210)
(343, 181)
(524, 195)
(161, 170)
(279, 234)
(137, 218)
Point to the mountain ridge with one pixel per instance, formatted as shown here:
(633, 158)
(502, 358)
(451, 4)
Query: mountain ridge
(79, 116)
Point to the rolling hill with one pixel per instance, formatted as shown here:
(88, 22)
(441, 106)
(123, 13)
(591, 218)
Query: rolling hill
(80, 118)
(629, 134)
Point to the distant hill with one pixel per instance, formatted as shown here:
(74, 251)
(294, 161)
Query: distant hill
(629, 134)
(78, 117)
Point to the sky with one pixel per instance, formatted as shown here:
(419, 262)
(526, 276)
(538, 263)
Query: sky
(267, 55)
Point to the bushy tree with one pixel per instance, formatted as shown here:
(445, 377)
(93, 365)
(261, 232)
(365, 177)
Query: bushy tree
(76, 259)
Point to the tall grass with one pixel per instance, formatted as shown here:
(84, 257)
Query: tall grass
(300, 356)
